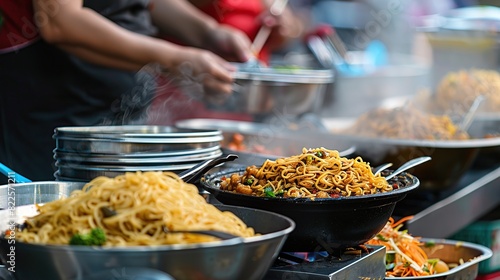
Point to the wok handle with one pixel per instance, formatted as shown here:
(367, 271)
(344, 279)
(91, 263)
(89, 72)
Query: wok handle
(194, 173)
(5, 274)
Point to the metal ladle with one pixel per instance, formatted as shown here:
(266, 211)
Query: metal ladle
(408, 165)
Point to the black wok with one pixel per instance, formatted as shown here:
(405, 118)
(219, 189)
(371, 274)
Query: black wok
(323, 224)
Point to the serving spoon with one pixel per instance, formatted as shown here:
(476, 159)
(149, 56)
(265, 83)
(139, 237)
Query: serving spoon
(409, 164)
(381, 168)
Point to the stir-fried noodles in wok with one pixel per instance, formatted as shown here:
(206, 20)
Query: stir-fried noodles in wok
(316, 173)
(406, 122)
(132, 209)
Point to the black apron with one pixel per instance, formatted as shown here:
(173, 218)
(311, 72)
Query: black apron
(42, 87)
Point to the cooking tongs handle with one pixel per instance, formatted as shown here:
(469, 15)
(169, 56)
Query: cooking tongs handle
(194, 173)
(12, 175)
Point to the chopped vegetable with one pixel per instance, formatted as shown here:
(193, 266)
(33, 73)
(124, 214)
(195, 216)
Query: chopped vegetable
(381, 237)
(96, 237)
(269, 192)
(406, 257)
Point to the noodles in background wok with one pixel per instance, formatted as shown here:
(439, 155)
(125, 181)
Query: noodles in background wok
(316, 173)
(145, 205)
(457, 91)
(406, 122)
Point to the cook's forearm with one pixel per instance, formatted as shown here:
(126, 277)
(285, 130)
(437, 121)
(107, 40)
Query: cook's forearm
(68, 24)
(101, 59)
(181, 20)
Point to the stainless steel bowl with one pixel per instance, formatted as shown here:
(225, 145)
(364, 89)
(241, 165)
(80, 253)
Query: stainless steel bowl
(82, 172)
(452, 251)
(264, 90)
(135, 145)
(131, 131)
(85, 152)
(134, 139)
(249, 258)
(79, 158)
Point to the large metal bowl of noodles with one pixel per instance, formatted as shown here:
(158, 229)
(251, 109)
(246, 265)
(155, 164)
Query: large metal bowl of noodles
(330, 224)
(247, 258)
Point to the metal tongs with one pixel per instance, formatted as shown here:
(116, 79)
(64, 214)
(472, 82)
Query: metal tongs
(276, 9)
(260, 39)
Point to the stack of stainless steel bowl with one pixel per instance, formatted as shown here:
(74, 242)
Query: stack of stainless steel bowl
(83, 153)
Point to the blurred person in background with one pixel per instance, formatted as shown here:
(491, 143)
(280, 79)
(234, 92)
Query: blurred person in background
(81, 63)
(248, 16)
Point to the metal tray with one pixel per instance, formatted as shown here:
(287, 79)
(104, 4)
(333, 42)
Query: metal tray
(451, 252)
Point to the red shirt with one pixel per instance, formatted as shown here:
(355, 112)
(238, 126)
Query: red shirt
(241, 14)
(17, 28)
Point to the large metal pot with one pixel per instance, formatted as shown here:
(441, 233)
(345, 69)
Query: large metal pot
(262, 91)
(325, 223)
(352, 95)
(248, 258)
(464, 38)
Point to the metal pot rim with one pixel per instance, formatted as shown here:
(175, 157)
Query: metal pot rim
(293, 76)
(131, 131)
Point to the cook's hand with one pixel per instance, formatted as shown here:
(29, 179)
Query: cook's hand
(284, 27)
(202, 67)
(230, 43)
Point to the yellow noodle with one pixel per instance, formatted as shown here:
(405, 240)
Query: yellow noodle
(457, 91)
(316, 173)
(146, 203)
(406, 123)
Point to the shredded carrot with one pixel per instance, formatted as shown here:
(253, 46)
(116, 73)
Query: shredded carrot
(410, 259)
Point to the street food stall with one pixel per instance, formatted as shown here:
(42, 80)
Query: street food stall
(314, 184)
